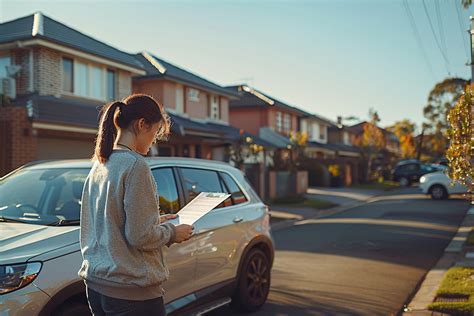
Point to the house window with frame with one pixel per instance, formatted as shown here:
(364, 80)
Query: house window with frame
(279, 123)
(193, 95)
(286, 122)
(110, 85)
(97, 82)
(214, 105)
(81, 79)
(322, 132)
(68, 75)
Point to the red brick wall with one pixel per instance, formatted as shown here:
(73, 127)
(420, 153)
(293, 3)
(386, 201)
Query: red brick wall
(249, 119)
(20, 141)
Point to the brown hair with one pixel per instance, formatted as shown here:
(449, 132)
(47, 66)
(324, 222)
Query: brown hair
(121, 114)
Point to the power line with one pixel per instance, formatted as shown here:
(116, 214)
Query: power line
(440, 27)
(463, 32)
(418, 37)
(446, 62)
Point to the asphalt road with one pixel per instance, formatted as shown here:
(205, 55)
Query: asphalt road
(365, 261)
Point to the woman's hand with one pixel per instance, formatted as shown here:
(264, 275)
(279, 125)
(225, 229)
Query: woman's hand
(183, 232)
(167, 217)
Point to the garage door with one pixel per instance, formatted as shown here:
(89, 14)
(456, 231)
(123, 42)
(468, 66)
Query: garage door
(56, 148)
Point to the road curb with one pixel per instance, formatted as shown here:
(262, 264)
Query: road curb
(426, 291)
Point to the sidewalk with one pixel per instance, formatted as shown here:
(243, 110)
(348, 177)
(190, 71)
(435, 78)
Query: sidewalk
(285, 215)
(455, 254)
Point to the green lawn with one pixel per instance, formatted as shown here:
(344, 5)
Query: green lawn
(384, 185)
(457, 283)
(303, 202)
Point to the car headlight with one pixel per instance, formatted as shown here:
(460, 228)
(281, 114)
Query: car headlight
(423, 179)
(16, 276)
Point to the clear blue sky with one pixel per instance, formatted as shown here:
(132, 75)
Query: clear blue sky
(327, 57)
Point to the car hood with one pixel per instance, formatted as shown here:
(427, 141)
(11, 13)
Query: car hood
(20, 242)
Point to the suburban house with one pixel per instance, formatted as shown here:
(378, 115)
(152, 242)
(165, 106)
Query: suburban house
(198, 108)
(54, 79)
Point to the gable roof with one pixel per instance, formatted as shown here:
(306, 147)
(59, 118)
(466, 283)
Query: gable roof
(158, 68)
(250, 97)
(39, 26)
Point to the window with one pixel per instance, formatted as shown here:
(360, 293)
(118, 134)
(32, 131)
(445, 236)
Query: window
(237, 196)
(346, 138)
(214, 112)
(198, 152)
(200, 180)
(110, 85)
(167, 190)
(322, 132)
(97, 82)
(193, 95)
(278, 122)
(68, 75)
(81, 79)
(87, 80)
(287, 122)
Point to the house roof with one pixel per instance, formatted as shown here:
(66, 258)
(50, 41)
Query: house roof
(158, 68)
(39, 26)
(233, 133)
(274, 138)
(250, 97)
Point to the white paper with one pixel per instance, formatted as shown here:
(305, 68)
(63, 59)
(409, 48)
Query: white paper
(199, 206)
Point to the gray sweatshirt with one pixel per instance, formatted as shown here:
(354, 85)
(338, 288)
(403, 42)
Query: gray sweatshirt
(121, 234)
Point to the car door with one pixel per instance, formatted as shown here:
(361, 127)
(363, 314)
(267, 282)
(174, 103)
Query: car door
(220, 232)
(180, 258)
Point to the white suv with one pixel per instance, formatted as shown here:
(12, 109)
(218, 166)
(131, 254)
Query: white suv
(228, 260)
(439, 185)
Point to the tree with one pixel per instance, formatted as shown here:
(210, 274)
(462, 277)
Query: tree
(242, 149)
(371, 141)
(461, 143)
(466, 3)
(441, 99)
(404, 131)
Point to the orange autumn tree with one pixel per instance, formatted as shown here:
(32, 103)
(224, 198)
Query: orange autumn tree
(404, 131)
(371, 142)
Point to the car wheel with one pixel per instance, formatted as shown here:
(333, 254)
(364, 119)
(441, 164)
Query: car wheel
(438, 192)
(253, 284)
(73, 309)
(404, 182)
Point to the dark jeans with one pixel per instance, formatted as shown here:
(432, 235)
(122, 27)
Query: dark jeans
(102, 305)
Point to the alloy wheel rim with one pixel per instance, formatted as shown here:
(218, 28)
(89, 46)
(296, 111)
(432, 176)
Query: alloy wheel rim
(257, 279)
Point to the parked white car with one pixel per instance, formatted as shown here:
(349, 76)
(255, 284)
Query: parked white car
(228, 259)
(439, 186)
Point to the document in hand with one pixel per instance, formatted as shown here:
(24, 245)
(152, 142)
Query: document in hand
(200, 206)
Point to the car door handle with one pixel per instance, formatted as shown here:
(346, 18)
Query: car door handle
(238, 219)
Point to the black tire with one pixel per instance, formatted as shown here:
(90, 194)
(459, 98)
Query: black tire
(438, 192)
(253, 284)
(404, 182)
(73, 309)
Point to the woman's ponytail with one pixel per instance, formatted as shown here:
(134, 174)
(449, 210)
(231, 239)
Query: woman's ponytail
(107, 132)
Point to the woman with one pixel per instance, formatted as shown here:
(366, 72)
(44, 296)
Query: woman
(121, 230)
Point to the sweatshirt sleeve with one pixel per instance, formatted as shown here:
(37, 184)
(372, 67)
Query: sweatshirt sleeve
(142, 216)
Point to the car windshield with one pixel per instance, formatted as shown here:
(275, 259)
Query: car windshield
(42, 196)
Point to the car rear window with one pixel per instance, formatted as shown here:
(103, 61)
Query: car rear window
(237, 196)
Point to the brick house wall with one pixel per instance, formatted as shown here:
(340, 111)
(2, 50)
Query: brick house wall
(18, 137)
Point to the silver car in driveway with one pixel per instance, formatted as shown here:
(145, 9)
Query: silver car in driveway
(228, 260)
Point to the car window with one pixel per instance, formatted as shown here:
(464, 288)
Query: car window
(43, 195)
(167, 190)
(201, 180)
(237, 196)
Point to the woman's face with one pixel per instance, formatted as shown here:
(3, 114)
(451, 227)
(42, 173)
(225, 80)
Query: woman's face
(146, 136)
